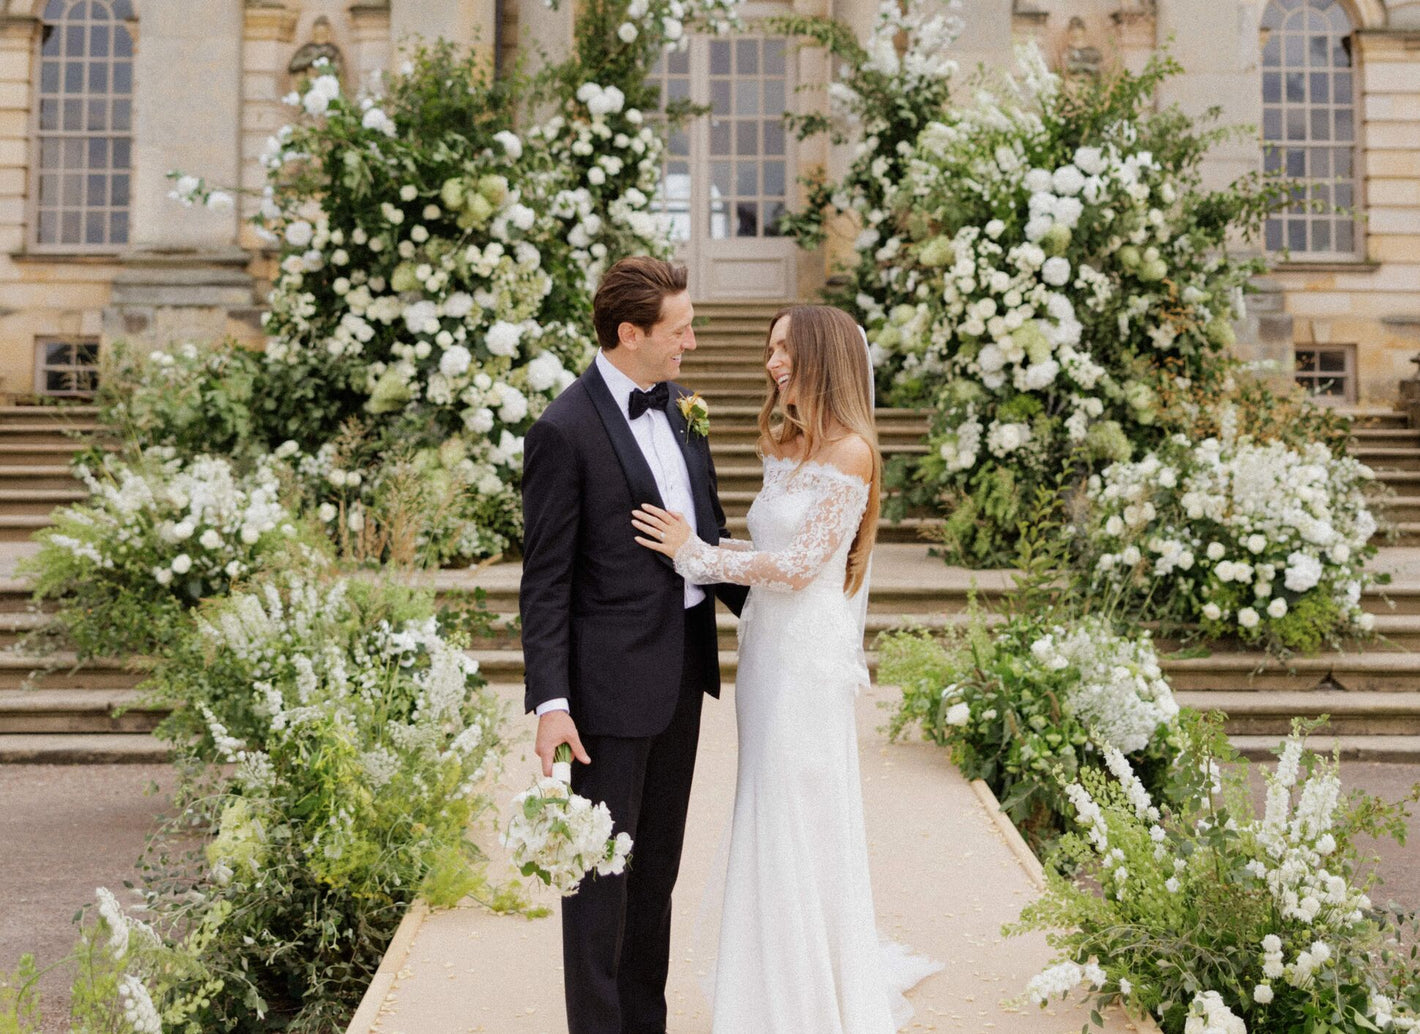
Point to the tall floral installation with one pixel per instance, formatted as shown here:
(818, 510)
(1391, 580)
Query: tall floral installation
(436, 258)
(1036, 265)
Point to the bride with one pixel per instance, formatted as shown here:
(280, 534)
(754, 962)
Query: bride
(799, 949)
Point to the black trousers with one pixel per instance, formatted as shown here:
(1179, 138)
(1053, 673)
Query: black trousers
(616, 930)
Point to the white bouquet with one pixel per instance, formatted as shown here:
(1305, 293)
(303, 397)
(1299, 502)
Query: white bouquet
(559, 836)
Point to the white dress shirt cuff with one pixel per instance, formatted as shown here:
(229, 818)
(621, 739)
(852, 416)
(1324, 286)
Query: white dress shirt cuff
(555, 704)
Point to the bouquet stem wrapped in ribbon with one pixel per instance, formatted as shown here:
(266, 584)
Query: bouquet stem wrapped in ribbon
(559, 836)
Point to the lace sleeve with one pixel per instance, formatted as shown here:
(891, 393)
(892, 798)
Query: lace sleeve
(832, 516)
(736, 545)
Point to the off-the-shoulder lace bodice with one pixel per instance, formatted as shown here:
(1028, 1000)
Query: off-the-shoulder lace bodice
(802, 522)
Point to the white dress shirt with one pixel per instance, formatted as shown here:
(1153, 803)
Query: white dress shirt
(657, 441)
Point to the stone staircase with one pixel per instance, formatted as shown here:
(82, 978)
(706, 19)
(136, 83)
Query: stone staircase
(1371, 690)
(37, 444)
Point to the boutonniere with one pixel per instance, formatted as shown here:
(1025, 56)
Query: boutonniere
(696, 412)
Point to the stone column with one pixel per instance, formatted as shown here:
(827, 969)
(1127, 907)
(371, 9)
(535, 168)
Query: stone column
(470, 23)
(1136, 34)
(1218, 45)
(370, 50)
(185, 270)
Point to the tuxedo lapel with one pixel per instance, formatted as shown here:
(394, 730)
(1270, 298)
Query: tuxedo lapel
(695, 464)
(639, 478)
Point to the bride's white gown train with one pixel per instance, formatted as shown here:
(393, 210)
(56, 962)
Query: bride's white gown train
(799, 950)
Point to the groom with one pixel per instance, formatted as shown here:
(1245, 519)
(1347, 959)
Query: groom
(619, 649)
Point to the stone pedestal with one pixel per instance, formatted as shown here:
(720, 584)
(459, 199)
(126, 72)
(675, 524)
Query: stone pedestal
(185, 275)
(1265, 333)
(1136, 35)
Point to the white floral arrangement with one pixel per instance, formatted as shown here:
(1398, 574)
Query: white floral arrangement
(1026, 263)
(1282, 882)
(1251, 539)
(1121, 694)
(559, 837)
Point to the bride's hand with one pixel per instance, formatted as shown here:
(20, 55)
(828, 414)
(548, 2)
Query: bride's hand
(665, 531)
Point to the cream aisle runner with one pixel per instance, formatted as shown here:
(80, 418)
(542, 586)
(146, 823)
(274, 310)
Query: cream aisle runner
(944, 881)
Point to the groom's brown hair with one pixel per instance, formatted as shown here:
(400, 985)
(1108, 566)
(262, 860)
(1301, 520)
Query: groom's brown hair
(632, 292)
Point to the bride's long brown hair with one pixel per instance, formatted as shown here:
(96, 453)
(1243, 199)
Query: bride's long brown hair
(833, 387)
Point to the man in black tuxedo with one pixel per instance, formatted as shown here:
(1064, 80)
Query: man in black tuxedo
(620, 651)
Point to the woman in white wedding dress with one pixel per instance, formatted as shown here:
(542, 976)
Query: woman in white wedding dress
(799, 951)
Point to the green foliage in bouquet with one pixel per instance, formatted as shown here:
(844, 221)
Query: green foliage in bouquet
(158, 535)
(338, 747)
(1245, 538)
(1211, 917)
(1029, 702)
(1027, 264)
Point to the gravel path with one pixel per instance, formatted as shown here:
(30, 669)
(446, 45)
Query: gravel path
(65, 831)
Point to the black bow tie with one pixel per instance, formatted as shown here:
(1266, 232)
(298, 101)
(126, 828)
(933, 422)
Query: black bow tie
(657, 398)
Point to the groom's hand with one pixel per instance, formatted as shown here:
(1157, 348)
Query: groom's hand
(554, 729)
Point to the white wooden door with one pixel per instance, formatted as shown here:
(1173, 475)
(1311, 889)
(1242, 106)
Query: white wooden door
(728, 174)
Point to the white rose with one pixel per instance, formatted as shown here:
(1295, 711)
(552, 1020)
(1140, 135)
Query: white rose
(326, 512)
(1248, 618)
(1038, 181)
(1212, 611)
(503, 338)
(596, 176)
(1056, 271)
(163, 576)
(299, 233)
(958, 714)
(455, 361)
(210, 539)
(1067, 180)
(511, 144)
(627, 32)
(1262, 994)
(182, 563)
(1277, 608)
(1089, 160)
(1216, 551)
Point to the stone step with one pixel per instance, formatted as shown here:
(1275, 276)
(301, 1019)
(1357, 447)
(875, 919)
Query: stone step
(47, 434)
(41, 454)
(1386, 437)
(58, 415)
(15, 625)
(61, 670)
(37, 475)
(38, 501)
(1374, 417)
(21, 527)
(1387, 459)
(1370, 672)
(73, 711)
(1271, 713)
(1404, 749)
(137, 748)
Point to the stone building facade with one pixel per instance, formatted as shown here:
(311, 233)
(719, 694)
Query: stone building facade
(99, 99)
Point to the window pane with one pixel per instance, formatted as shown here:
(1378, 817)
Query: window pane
(1343, 123)
(1320, 161)
(1271, 87)
(49, 77)
(1296, 124)
(746, 219)
(747, 98)
(74, 77)
(746, 178)
(1341, 160)
(1344, 195)
(678, 90)
(1296, 162)
(1295, 48)
(98, 152)
(1274, 235)
(1345, 235)
(49, 190)
(720, 96)
(719, 57)
(74, 41)
(98, 191)
(1296, 87)
(122, 42)
(1341, 87)
(1321, 235)
(98, 116)
(48, 114)
(58, 353)
(1297, 234)
(1318, 51)
(720, 136)
(678, 62)
(86, 354)
(49, 227)
(73, 190)
(747, 57)
(1332, 361)
(118, 228)
(747, 138)
(774, 57)
(119, 189)
(773, 210)
(774, 138)
(98, 41)
(678, 143)
(1272, 123)
(94, 225)
(122, 145)
(774, 179)
(70, 227)
(720, 179)
(121, 115)
(1321, 124)
(1320, 88)
(98, 77)
(74, 116)
(774, 97)
(123, 77)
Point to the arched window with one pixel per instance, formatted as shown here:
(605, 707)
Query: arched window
(84, 143)
(1309, 124)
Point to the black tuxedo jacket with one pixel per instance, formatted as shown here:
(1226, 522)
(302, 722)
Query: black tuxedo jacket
(603, 619)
